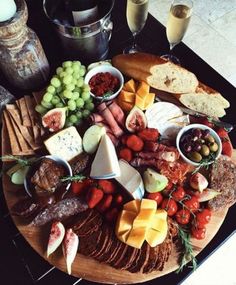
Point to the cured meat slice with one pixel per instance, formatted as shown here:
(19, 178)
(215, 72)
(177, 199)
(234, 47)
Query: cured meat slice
(60, 211)
(107, 115)
(113, 245)
(139, 262)
(153, 256)
(96, 118)
(87, 245)
(117, 112)
(25, 208)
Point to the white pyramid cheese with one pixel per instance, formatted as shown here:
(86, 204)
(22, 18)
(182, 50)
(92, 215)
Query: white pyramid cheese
(65, 144)
(131, 180)
(105, 163)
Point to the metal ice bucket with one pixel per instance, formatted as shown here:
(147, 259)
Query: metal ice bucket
(87, 43)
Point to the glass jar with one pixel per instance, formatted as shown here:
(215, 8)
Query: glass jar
(22, 58)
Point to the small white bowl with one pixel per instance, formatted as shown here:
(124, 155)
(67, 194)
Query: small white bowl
(201, 127)
(105, 68)
(27, 183)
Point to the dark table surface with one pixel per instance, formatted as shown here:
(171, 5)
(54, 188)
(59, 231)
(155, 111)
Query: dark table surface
(19, 264)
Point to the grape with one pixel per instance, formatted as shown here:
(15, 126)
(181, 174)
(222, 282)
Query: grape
(90, 100)
(75, 67)
(73, 119)
(77, 89)
(59, 105)
(85, 95)
(80, 103)
(59, 70)
(62, 74)
(51, 89)
(82, 70)
(55, 82)
(80, 82)
(85, 113)
(67, 63)
(75, 95)
(55, 100)
(74, 81)
(69, 70)
(47, 105)
(76, 63)
(67, 79)
(68, 123)
(79, 114)
(59, 89)
(76, 75)
(47, 97)
(71, 105)
(86, 87)
(67, 94)
(70, 87)
(89, 106)
(40, 109)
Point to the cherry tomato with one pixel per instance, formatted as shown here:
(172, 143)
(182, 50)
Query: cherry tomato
(170, 206)
(198, 233)
(204, 216)
(179, 193)
(192, 204)
(183, 216)
(155, 196)
(169, 186)
(168, 189)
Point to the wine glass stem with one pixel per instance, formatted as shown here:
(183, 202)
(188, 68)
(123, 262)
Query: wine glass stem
(134, 40)
(171, 47)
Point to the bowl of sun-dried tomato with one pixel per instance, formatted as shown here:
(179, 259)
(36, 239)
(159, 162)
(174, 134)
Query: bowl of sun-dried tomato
(105, 82)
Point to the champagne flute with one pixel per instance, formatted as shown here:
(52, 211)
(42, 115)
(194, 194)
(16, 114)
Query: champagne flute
(177, 24)
(136, 14)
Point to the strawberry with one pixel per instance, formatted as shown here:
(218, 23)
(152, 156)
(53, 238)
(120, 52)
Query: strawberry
(94, 196)
(107, 186)
(118, 199)
(79, 187)
(105, 203)
(126, 154)
(111, 215)
(124, 139)
(149, 134)
(135, 143)
(227, 148)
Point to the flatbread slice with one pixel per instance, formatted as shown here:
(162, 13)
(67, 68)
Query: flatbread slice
(24, 113)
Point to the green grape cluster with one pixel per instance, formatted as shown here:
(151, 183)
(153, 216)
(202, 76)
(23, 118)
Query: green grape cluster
(67, 89)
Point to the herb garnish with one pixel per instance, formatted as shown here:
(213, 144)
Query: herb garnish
(107, 95)
(78, 177)
(21, 161)
(206, 162)
(188, 254)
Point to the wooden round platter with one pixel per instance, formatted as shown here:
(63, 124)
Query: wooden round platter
(89, 268)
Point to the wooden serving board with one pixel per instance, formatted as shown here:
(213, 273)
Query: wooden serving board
(88, 268)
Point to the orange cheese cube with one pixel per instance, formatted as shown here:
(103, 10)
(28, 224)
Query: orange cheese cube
(139, 102)
(149, 100)
(130, 86)
(133, 206)
(154, 237)
(137, 237)
(143, 89)
(144, 218)
(148, 204)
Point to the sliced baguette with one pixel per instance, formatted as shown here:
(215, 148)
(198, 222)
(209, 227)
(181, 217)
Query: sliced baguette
(157, 72)
(205, 100)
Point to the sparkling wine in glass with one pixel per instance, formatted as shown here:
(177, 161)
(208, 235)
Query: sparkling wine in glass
(177, 24)
(136, 14)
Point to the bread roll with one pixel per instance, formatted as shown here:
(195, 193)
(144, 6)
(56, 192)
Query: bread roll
(205, 100)
(157, 72)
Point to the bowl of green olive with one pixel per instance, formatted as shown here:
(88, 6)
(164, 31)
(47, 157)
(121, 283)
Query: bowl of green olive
(198, 144)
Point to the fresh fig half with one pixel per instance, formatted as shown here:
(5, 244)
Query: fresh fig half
(56, 237)
(136, 120)
(54, 119)
(207, 195)
(70, 247)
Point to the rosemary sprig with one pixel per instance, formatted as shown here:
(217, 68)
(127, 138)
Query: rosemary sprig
(107, 95)
(78, 177)
(205, 162)
(188, 254)
(21, 161)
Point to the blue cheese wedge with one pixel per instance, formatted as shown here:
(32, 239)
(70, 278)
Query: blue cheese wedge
(65, 144)
(105, 164)
(131, 180)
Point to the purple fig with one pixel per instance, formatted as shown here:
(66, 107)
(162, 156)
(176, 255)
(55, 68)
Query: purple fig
(56, 237)
(70, 247)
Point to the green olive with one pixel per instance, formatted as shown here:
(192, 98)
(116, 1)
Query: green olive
(195, 156)
(210, 139)
(214, 147)
(205, 151)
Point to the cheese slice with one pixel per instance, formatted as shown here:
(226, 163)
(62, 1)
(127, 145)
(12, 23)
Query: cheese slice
(167, 118)
(65, 144)
(105, 163)
(132, 206)
(131, 180)
(144, 218)
(154, 237)
(125, 221)
(137, 237)
(148, 204)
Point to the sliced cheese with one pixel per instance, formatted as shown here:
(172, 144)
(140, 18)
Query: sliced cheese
(159, 221)
(148, 204)
(154, 237)
(65, 144)
(143, 89)
(126, 96)
(144, 218)
(137, 237)
(105, 163)
(133, 206)
(125, 221)
(149, 100)
(130, 86)
(131, 180)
